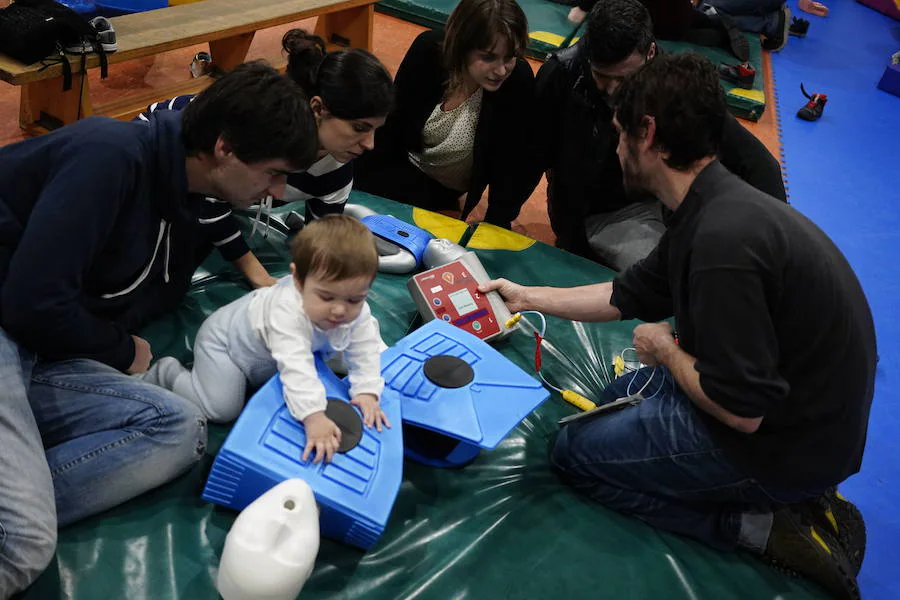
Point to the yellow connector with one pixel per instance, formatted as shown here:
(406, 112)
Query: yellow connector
(578, 400)
(619, 366)
(510, 322)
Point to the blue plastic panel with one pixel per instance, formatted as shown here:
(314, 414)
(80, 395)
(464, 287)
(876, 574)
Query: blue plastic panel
(482, 412)
(409, 237)
(355, 492)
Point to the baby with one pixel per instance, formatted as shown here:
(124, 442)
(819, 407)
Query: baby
(320, 307)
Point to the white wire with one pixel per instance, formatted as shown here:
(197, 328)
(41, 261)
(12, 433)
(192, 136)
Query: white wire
(533, 328)
(643, 387)
(543, 331)
(547, 383)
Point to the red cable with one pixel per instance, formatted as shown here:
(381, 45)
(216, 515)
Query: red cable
(537, 351)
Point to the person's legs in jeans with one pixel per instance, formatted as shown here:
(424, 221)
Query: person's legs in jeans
(755, 16)
(656, 461)
(110, 437)
(27, 509)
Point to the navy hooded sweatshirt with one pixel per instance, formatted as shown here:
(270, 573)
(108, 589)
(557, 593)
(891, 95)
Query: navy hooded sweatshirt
(98, 234)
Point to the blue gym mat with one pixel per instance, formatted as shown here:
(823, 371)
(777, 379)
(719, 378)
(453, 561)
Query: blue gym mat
(842, 172)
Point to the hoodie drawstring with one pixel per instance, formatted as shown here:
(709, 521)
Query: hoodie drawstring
(165, 231)
(168, 251)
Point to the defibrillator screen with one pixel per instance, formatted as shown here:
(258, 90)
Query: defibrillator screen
(462, 301)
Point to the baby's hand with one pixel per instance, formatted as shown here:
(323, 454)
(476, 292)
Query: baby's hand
(322, 435)
(371, 410)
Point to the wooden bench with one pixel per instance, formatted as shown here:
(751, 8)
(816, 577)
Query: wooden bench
(227, 25)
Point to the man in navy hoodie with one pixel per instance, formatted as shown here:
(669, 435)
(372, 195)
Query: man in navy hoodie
(99, 234)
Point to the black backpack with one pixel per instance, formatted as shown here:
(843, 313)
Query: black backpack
(36, 30)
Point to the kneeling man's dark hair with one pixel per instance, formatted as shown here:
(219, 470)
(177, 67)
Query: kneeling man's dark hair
(683, 95)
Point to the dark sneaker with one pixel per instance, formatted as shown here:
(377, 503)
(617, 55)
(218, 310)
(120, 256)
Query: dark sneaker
(106, 34)
(812, 110)
(802, 547)
(833, 511)
(778, 39)
(737, 41)
(741, 75)
(201, 64)
(106, 38)
(799, 27)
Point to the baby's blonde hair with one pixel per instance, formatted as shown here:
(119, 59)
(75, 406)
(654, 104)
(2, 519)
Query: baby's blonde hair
(333, 248)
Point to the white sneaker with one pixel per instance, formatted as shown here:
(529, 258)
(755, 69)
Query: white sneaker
(106, 34)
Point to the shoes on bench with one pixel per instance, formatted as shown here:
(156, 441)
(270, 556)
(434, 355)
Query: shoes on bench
(106, 37)
(106, 34)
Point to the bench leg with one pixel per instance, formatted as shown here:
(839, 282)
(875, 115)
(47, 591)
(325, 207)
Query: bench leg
(228, 53)
(44, 105)
(350, 28)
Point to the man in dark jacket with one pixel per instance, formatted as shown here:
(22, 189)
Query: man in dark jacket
(575, 142)
(98, 235)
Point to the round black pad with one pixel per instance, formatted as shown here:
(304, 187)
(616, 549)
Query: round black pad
(448, 371)
(348, 421)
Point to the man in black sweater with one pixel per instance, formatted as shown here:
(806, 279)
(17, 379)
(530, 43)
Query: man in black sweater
(575, 143)
(99, 233)
(747, 418)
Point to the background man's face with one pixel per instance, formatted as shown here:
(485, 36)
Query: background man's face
(608, 77)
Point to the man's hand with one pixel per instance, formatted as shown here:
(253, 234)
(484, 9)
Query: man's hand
(653, 341)
(371, 410)
(513, 294)
(142, 356)
(253, 271)
(322, 435)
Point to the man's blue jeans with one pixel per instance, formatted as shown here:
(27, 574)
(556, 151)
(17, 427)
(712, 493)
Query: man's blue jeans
(76, 438)
(755, 16)
(656, 461)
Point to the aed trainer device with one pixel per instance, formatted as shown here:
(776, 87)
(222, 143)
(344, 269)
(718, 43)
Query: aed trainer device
(450, 292)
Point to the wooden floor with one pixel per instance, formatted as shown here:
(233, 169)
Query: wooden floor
(392, 38)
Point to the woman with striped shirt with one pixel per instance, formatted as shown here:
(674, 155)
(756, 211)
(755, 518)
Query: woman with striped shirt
(350, 93)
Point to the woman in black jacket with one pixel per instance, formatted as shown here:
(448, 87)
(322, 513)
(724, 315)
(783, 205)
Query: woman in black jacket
(463, 103)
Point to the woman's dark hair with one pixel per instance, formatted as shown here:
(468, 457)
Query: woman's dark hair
(616, 29)
(474, 24)
(260, 113)
(352, 83)
(683, 95)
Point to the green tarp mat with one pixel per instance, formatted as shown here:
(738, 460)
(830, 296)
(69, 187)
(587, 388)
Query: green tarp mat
(503, 527)
(548, 25)
(550, 30)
